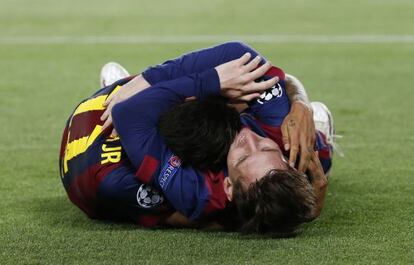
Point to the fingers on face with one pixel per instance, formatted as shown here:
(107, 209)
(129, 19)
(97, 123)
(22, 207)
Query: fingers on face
(315, 166)
(305, 158)
(293, 140)
(285, 136)
(306, 153)
(315, 156)
(311, 167)
(294, 149)
(308, 157)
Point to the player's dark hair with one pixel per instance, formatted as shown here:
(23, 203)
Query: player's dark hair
(276, 204)
(200, 132)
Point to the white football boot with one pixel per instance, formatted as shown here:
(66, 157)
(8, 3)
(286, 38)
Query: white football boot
(324, 123)
(112, 72)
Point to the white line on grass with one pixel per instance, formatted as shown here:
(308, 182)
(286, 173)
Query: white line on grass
(167, 39)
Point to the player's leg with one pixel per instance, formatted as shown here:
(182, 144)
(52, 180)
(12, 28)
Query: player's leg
(324, 123)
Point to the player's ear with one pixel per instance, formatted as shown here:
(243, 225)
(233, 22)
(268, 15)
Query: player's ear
(228, 188)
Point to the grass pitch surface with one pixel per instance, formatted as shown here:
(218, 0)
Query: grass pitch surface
(368, 218)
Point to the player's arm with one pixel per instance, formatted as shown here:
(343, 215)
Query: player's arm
(136, 121)
(179, 220)
(136, 85)
(137, 118)
(298, 128)
(197, 61)
(272, 106)
(295, 90)
(193, 62)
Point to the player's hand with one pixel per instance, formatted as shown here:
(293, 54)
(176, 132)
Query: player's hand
(107, 116)
(237, 78)
(319, 183)
(315, 169)
(298, 131)
(128, 90)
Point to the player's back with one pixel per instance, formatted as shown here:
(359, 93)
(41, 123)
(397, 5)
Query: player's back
(87, 153)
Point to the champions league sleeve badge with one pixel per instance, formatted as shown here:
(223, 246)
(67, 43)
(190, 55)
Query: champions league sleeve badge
(168, 171)
(273, 92)
(148, 197)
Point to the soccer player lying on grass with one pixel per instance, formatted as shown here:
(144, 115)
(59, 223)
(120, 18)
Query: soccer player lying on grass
(103, 182)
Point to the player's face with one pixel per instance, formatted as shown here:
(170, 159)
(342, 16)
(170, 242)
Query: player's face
(252, 156)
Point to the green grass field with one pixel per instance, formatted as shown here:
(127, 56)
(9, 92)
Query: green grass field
(368, 218)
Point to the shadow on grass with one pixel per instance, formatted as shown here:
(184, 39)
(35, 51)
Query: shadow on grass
(55, 212)
(58, 212)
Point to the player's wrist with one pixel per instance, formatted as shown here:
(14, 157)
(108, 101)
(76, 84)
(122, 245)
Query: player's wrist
(300, 104)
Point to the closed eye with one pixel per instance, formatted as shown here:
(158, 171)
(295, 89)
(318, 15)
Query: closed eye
(267, 149)
(241, 160)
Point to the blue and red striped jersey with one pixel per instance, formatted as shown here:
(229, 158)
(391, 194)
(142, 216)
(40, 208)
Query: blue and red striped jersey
(143, 178)
(96, 172)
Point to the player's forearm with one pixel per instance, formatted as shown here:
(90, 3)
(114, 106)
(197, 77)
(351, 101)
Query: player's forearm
(180, 221)
(137, 84)
(295, 90)
(197, 62)
(177, 219)
(136, 118)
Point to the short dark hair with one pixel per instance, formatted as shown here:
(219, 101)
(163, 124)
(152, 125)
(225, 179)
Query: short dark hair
(276, 204)
(200, 132)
